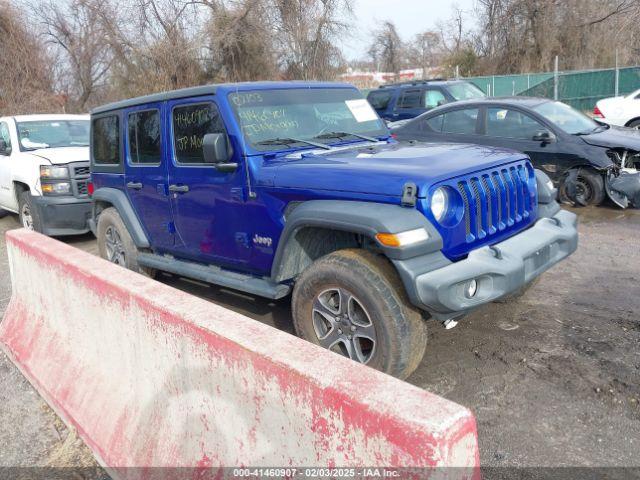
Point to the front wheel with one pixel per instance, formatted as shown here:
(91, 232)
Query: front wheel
(353, 303)
(587, 188)
(635, 124)
(115, 243)
(28, 213)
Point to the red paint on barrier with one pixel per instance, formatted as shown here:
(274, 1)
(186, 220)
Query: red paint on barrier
(350, 415)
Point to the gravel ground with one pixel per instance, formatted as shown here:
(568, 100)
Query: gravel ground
(552, 377)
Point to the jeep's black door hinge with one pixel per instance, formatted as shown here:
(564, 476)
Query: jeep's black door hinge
(409, 194)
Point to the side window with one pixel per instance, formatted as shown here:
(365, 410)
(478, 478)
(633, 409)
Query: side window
(190, 124)
(379, 100)
(144, 137)
(460, 121)
(410, 99)
(433, 98)
(6, 138)
(507, 123)
(105, 132)
(434, 123)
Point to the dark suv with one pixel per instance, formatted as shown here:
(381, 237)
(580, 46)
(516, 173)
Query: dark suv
(402, 101)
(297, 188)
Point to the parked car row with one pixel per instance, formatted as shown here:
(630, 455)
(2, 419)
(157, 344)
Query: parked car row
(296, 188)
(587, 160)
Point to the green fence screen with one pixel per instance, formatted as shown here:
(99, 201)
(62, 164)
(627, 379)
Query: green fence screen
(580, 89)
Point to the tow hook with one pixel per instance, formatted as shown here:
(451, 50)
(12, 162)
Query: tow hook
(449, 324)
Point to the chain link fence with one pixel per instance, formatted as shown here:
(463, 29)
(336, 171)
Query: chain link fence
(581, 88)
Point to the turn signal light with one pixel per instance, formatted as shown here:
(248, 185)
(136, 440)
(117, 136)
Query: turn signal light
(402, 239)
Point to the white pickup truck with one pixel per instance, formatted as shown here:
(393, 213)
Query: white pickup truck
(44, 172)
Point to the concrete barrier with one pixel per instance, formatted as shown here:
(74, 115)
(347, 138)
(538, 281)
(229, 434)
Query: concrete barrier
(150, 376)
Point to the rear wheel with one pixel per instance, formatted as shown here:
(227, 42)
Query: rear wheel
(589, 188)
(353, 303)
(115, 243)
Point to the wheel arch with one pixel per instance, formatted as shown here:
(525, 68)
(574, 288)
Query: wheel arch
(318, 227)
(108, 197)
(636, 119)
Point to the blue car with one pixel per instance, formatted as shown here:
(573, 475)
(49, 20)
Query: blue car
(406, 100)
(297, 189)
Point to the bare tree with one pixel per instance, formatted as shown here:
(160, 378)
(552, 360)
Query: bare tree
(241, 48)
(26, 73)
(75, 29)
(306, 32)
(387, 50)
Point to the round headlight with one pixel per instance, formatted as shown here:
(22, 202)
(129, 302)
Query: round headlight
(439, 203)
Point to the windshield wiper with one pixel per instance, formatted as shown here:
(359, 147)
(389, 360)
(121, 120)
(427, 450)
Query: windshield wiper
(344, 135)
(291, 141)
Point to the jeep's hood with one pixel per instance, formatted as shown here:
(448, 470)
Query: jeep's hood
(384, 169)
(615, 137)
(62, 155)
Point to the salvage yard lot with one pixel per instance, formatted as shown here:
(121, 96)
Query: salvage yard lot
(551, 378)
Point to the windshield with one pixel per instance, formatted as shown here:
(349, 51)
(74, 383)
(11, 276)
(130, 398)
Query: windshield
(277, 119)
(465, 91)
(53, 134)
(568, 119)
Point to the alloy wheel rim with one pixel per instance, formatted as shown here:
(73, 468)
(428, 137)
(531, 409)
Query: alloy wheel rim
(343, 325)
(114, 246)
(27, 218)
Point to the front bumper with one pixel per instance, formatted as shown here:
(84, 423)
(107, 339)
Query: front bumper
(499, 269)
(63, 215)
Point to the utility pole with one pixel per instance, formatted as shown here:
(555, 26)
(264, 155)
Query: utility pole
(617, 75)
(555, 80)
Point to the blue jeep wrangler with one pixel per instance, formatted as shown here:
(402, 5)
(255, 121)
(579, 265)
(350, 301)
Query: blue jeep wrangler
(297, 188)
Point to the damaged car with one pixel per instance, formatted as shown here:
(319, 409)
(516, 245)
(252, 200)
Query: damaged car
(587, 161)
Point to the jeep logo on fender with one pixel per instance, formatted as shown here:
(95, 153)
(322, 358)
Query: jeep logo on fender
(258, 240)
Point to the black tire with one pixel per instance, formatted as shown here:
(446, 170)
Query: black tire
(369, 284)
(28, 214)
(589, 188)
(634, 124)
(115, 243)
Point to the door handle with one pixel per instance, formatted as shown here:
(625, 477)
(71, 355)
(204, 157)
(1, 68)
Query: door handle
(179, 188)
(134, 185)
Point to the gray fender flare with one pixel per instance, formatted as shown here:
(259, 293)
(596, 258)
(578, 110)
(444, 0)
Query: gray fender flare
(121, 203)
(366, 218)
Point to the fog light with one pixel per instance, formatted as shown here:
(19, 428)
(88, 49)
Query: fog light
(471, 288)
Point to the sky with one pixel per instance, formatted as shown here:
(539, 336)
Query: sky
(410, 17)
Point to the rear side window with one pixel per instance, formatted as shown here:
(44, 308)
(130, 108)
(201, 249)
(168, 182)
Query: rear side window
(460, 121)
(190, 124)
(433, 98)
(379, 99)
(410, 99)
(105, 133)
(144, 137)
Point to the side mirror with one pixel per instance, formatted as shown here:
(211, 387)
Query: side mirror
(544, 136)
(216, 151)
(5, 149)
